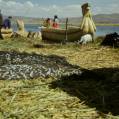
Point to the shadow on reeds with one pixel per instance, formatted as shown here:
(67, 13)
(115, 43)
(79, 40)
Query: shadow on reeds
(98, 88)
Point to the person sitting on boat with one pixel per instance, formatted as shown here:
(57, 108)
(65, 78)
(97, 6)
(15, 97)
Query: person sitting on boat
(7, 23)
(48, 23)
(55, 22)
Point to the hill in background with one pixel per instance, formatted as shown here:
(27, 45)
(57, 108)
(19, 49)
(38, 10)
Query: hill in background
(99, 19)
(106, 18)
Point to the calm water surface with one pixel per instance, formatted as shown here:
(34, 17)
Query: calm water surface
(101, 30)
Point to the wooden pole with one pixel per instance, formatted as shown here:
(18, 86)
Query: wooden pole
(1, 22)
(66, 36)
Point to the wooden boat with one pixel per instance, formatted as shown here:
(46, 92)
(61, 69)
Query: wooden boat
(71, 33)
(59, 35)
(6, 33)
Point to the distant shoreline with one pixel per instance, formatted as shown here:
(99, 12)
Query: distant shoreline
(72, 24)
(105, 24)
(97, 24)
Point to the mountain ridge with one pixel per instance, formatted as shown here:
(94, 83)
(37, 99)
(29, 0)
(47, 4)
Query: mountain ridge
(99, 18)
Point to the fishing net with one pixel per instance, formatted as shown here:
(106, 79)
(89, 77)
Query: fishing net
(14, 65)
(111, 39)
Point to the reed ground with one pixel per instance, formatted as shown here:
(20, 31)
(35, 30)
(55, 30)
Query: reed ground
(93, 95)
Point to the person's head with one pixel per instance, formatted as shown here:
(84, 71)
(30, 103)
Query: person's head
(55, 17)
(48, 19)
(85, 8)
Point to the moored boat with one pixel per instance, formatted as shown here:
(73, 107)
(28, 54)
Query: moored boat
(59, 35)
(71, 34)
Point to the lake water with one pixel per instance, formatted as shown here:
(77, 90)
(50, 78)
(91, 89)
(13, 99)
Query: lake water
(101, 30)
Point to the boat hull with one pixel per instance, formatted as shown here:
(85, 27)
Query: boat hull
(59, 35)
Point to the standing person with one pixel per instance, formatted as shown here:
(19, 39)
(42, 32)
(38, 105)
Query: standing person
(7, 23)
(55, 22)
(1, 23)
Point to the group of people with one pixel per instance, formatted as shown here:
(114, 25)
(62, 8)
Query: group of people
(49, 23)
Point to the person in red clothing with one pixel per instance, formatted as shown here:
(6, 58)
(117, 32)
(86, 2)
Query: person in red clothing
(55, 22)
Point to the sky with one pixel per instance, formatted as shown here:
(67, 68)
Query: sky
(62, 8)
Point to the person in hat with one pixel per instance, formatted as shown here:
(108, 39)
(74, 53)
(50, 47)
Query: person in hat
(55, 22)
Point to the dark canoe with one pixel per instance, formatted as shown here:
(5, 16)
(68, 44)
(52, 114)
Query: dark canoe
(59, 35)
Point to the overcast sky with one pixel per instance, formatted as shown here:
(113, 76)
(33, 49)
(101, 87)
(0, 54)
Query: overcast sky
(63, 8)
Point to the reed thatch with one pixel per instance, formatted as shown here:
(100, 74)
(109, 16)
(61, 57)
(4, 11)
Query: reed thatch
(6, 33)
(21, 30)
(87, 24)
(68, 98)
(20, 25)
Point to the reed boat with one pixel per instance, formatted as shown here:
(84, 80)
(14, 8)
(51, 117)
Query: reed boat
(59, 35)
(6, 33)
(70, 33)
